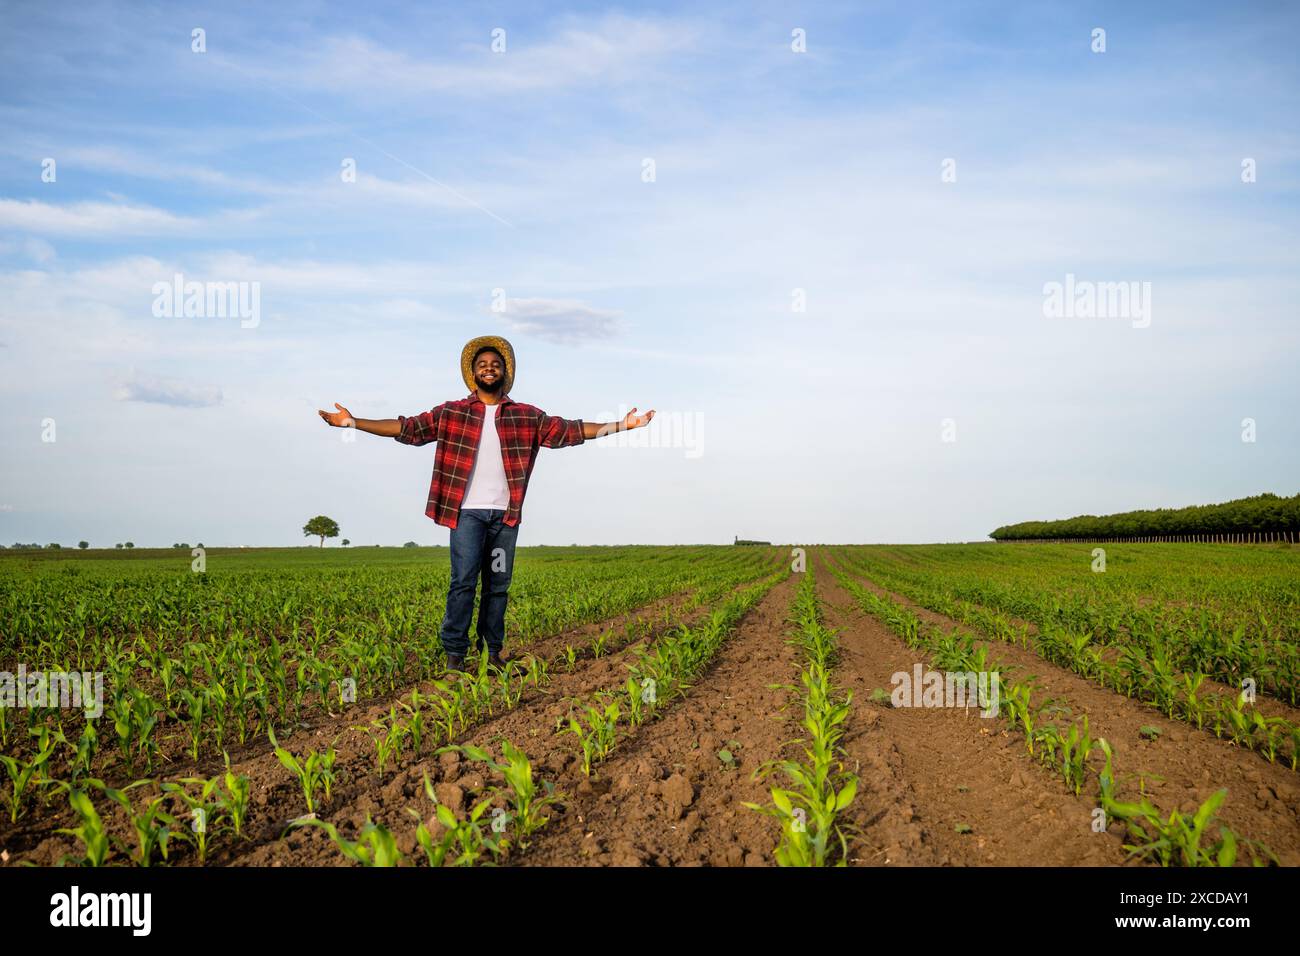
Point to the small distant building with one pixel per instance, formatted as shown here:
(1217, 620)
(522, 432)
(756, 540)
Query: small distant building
(761, 543)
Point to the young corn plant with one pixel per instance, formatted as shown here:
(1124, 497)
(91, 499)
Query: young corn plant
(467, 836)
(22, 775)
(313, 772)
(153, 827)
(234, 798)
(1178, 839)
(528, 802)
(205, 808)
(1192, 705)
(90, 831)
(435, 853)
(1020, 711)
(1162, 682)
(83, 751)
(599, 735)
(449, 710)
(470, 836)
(478, 689)
(635, 701)
(375, 845)
(414, 726)
(806, 829)
(510, 682)
(1267, 733)
(193, 717)
(387, 734)
(1076, 748)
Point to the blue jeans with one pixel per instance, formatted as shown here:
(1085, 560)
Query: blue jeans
(482, 548)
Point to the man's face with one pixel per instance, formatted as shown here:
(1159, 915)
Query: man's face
(489, 371)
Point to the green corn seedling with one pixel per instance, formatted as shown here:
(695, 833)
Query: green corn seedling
(414, 727)
(1268, 731)
(375, 845)
(387, 734)
(89, 830)
(152, 826)
(84, 752)
(1191, 703)
(511, 690)
(599, 735)
(234, 799)
(1076, 748)
(635, 700)
(527, 801)
(22, 774)
(195, 710)
(435, 853)
(314, 772)
(204, 807)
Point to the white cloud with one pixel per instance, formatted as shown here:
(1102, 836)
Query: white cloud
(562, 321)
(100, 219)
(613, 49)
(138, 387)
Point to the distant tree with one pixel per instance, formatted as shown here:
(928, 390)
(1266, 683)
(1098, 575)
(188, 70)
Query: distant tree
(118, 545)
(346, 542)
(53, 546)
(410, 544)
(83, 545)
(321, 527)
(199, 545)
(130, 544)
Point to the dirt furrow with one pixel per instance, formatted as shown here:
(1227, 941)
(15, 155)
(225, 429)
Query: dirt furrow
(665, 797)
(1179, 769)
(926, 772)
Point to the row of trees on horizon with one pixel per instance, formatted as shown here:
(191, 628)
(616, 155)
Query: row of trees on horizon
(1260, 514)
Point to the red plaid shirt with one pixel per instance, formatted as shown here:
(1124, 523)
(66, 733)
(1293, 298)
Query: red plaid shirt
(457, 427)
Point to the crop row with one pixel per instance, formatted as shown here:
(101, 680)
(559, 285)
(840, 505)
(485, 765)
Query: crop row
(1147, 671)
(817, 790)
(1174, 840)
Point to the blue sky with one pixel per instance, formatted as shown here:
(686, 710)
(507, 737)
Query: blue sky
(523, 171)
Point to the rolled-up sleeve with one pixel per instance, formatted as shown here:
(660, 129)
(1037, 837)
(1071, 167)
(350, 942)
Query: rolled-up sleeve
(419, 429)
(553, 432)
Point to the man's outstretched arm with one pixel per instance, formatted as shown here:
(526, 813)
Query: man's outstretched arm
(384, 427)
(554, 432)
(416, 430)
(600, 429)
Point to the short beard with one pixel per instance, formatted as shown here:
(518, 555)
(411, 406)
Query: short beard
(491, 389)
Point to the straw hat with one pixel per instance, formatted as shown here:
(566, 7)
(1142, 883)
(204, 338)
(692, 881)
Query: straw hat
(472, 348)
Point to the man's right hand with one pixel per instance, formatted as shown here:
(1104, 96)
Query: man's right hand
(340, 419)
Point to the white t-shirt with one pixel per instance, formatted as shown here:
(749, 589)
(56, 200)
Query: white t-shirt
(487, 486)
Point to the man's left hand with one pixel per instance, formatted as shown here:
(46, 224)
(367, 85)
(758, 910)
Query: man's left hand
(633, 420)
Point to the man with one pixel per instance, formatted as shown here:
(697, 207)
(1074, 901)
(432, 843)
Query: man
(480, 475)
